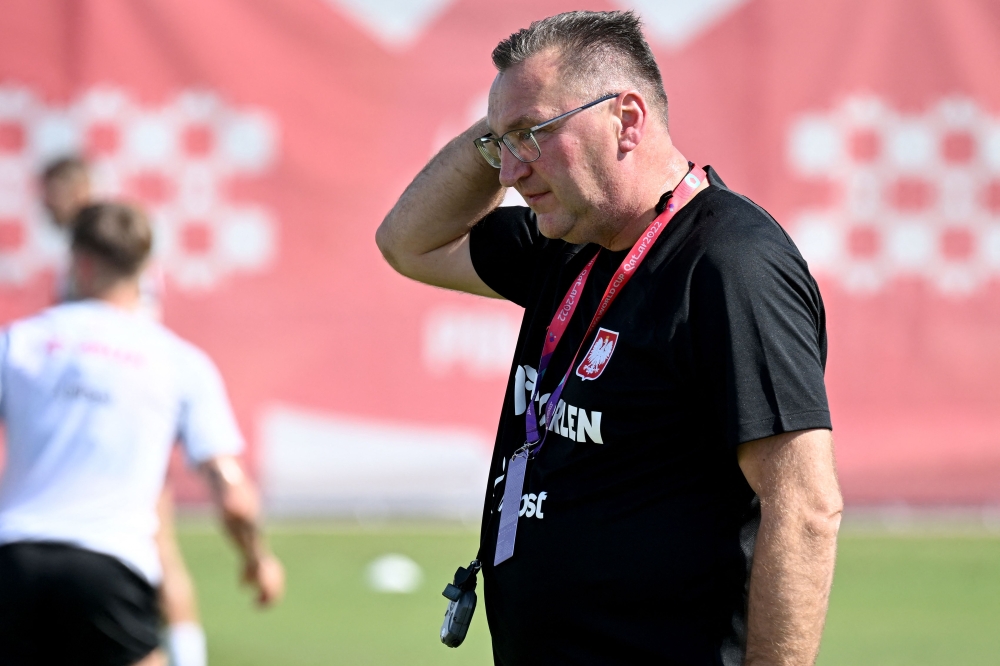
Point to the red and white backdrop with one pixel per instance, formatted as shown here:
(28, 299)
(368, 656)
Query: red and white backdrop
(268, 138)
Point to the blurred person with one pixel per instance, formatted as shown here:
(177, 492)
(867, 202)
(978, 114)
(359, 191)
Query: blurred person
(66, 188)
(185, 638)
(93, 396)
(664, 456)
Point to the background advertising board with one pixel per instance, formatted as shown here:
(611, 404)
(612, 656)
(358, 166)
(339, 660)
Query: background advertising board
(269, 139)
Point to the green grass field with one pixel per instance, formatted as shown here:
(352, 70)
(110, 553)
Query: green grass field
(906, 600)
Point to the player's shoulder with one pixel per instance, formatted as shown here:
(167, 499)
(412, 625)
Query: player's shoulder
(45, 320)
(52, 328)
(734, 232)
(187, 354)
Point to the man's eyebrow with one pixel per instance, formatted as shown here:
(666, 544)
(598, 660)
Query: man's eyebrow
(521, 122)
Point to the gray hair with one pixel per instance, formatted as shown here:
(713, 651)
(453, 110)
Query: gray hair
(597, 49)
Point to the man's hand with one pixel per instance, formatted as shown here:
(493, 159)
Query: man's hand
(795, 477)
(236, 498)
(268, 577)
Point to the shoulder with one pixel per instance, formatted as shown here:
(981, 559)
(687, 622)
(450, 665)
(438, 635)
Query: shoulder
(187, 354)
(163, 344)
(727, 219)
(26, 342)
(50, 318)
(737, 235)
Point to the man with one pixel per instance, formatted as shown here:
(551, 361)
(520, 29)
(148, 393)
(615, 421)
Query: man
(679, 501)
(66, 188)
(94, 395)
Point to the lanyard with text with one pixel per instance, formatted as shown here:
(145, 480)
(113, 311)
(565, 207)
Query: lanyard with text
(554, 333)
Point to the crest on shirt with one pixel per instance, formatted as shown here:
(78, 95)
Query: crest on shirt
(597, 358)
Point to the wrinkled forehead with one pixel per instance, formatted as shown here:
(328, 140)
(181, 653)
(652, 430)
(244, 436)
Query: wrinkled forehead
(527, 94)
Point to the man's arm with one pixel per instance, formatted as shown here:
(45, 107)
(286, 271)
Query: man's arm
(236, 499)
(426, 234)
(795, 477)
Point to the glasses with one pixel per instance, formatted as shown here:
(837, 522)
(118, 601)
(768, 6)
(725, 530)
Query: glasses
(521, 142)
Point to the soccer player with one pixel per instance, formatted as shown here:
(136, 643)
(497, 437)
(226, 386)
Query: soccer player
(66, 188)
(93, 396)
(669, 472)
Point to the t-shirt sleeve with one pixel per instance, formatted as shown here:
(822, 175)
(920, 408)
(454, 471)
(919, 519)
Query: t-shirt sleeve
(207, 425)
(506, 250)
(758, 332)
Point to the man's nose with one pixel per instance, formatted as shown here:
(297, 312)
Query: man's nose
(511, 168)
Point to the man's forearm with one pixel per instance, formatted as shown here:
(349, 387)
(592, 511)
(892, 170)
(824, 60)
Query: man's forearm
(245, 534)
(238, 505)
(450, 194)
(790, 584)
(236, 498)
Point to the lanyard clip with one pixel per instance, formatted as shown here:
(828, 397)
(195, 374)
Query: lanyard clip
(465, 579)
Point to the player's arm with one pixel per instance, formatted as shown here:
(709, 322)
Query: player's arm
(795, 478)
(426, 234)
(236, 498)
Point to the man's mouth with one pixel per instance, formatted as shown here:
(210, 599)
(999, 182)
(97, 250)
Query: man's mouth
(532, 199)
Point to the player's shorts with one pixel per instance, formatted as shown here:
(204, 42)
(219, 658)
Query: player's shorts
(64, 605)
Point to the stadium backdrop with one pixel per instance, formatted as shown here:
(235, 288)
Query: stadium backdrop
(268, 138)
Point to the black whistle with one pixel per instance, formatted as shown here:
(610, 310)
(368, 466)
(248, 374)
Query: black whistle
(461, 595)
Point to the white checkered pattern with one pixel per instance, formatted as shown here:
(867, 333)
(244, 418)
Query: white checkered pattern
(177, 159)
(911, 196)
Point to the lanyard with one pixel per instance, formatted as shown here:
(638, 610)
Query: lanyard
(557, 327)
(507, 531)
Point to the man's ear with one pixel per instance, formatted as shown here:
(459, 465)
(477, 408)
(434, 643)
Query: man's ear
(633, 114)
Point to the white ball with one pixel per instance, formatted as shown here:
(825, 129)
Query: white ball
(394, 573)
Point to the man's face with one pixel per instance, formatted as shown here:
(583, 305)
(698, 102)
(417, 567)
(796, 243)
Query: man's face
(571, 184)
(65, 195)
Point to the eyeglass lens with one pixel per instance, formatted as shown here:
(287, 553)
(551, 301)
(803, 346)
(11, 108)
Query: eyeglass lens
(520, 142)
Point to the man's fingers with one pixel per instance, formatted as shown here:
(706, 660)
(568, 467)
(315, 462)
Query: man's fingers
(269, 578)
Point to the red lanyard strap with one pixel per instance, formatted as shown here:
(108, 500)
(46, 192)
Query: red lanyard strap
(557, 327)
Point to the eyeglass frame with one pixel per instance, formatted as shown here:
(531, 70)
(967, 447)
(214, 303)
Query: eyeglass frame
(502, 141)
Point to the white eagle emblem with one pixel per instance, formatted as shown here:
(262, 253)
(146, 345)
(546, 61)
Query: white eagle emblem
(597, 358)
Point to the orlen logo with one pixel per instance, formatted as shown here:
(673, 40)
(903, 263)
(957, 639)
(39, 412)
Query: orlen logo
(597, 358)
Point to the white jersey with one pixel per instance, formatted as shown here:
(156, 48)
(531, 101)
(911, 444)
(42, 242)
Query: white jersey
(93, 398)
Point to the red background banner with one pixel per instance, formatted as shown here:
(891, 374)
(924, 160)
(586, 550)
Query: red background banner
(271, 137)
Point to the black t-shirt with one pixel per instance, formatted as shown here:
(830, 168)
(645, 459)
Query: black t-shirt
(637, 527)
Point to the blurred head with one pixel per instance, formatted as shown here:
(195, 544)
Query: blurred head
(592, 170)
(65, 189)
(111, 243)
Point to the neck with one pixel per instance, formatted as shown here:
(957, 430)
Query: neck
(664, 181)
(123, 294)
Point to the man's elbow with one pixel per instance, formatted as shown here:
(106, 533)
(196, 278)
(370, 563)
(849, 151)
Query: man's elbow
(393, 250)
(823, 517)
(238, 500)
(383, 239)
